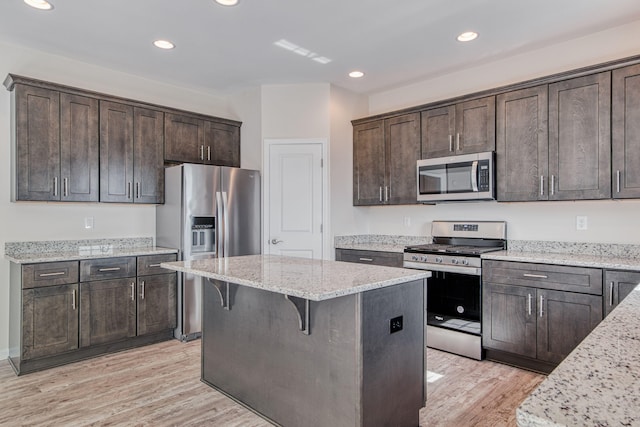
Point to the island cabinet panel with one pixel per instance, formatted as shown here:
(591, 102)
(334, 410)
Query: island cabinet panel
(626, 132)
(580, 138)
(463, 128)
(389, 259)
(37, 139)
(534, 315)
(79, 148)
(107, 311)
(617, 285)
(348, 371)
(522, 144)
(50, 321)
(385, 153)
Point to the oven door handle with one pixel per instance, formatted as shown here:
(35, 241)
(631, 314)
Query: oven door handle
(472, 271)
(474, 176)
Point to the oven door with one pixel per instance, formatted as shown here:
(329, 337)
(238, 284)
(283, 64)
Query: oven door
(454, 301)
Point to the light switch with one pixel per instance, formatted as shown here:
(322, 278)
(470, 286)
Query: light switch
(88, 223)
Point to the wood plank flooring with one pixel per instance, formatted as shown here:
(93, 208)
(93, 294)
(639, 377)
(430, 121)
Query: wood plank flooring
(159, 385)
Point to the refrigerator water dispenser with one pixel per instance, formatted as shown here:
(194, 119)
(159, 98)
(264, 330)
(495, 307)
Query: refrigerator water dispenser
(203, 234)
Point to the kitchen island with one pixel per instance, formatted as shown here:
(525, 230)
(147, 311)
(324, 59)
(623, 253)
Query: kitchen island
(598, 384)
(314, 342)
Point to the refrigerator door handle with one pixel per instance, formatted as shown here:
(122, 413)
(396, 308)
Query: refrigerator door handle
(226, 222)
(219, 221)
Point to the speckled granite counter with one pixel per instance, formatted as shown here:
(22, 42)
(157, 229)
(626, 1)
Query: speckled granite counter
(315, 280)
(598, 384)
(595, 261)
(378, 242)
(73, 250)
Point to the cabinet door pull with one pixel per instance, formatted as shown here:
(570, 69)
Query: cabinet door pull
(133, 291)
(553, 184)
(208, 153)
(55, 185)
(380, 193)
(108, 269)
(617, 181)
(529, 300)
(458, 142)
(541, 185)
(128, 190)
(73, 299)
(535, 276)
(541, 305)
(65, 187)
(137, 190)
(154, 265)
(451, 143)
(57, 273)
(202, 152)
(366, 259)
(611, 294)
(142, 290)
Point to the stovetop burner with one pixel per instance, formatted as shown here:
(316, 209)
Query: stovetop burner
(434, 248)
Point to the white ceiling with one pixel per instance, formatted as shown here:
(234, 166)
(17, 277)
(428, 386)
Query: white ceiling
(222, 49)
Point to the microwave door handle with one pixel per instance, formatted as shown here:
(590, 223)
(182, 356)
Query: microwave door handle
(474, 176)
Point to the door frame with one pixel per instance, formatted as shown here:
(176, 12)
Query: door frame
(266, 152)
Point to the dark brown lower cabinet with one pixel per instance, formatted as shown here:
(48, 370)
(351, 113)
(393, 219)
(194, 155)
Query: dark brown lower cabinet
(50, 320)
(390, 259)
(617, 285)
(54, 320)
(533, 326)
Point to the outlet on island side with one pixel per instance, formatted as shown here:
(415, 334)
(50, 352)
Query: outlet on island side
(581, 222)
(395, 324)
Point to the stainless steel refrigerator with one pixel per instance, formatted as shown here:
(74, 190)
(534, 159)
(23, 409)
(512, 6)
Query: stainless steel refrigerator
(209, 212)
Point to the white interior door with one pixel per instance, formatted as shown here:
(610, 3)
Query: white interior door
(295, 200)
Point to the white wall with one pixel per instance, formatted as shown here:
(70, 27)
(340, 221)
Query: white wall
(57, 221)
(247, 107)
(608, 221)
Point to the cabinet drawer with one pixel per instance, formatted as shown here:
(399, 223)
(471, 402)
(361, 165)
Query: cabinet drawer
(107, 268)
(558, 277)
(150, 264)
(49, 274)
(390, 259)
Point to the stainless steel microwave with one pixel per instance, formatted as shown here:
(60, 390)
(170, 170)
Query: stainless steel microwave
(457, 178)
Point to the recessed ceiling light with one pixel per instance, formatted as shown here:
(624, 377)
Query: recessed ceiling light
(467, 36)
(39, 4)
(163, 44)
(227, 2)
(356, 74)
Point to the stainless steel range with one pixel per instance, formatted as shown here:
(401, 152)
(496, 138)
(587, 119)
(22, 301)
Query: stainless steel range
(454, 293)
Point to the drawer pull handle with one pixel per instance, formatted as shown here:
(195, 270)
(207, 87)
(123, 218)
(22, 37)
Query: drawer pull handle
(109, 269)
(535, 276)
(57, 273)
(366, 259)
(154, 265)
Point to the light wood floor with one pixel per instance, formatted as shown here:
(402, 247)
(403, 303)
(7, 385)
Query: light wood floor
(159, 385)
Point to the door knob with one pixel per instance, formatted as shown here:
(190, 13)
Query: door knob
(275, 241)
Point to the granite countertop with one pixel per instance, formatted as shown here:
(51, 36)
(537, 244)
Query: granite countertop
(75, 250)
(376, 247)
(315, 280)
(578, 260)
(379, 242)
(598, 384)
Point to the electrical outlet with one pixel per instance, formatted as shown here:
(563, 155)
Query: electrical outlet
(395, 324)
(88, 223)
(407, 221)
(581, 222)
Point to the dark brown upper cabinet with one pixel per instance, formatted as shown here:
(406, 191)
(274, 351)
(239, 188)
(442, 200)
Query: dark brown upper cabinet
(56, 140)
(131, 154)
(580, 138)
(463, 128)
(384, 160)
(626, 132)
(192, 139)
(522, 144)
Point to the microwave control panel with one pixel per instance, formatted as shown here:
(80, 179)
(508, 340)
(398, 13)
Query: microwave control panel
(483, 175)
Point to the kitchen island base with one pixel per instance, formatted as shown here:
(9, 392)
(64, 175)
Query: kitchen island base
(354, 360)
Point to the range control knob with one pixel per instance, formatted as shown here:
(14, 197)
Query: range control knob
(454, 261)
(438, 259)
(414, 258)
(465, 262)
(423, 258)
